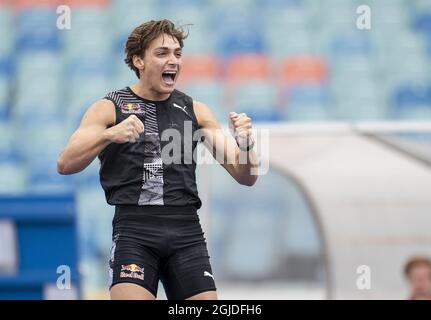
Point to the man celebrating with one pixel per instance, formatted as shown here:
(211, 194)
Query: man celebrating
(156, 229)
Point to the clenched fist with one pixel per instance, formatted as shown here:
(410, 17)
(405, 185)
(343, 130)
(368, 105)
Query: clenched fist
(240, 127)
(126, 131)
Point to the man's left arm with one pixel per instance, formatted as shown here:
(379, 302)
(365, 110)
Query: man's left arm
(236, 155)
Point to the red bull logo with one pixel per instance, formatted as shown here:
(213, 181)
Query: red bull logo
(132, 108)
(132, 271)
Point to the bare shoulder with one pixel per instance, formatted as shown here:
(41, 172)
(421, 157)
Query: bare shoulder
(103, 106)
(204, 115)
(100, 112)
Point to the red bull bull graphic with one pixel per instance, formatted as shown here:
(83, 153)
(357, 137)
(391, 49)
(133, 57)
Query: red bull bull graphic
(132, 271)
(132, 108)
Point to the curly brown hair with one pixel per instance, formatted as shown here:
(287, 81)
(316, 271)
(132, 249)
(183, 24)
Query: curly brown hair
(140, 38)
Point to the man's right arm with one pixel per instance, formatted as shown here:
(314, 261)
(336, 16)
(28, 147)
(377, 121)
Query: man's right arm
(95, 133)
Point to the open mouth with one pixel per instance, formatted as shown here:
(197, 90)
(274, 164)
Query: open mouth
(169, 77)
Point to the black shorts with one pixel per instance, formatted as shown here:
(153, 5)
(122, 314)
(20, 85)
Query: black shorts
(152, 243)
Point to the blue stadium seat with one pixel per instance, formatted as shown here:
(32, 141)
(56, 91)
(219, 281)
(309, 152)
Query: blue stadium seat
(359, 110)
(187, 14)
(414, 70)
(89, 65)
(226, 5)
(257, 99)
(88, 34)
(120, 43)
(94, 41)
(240, 32)
(8, 149)
(45, 179)
(408, 95)
(182, 3)
(306, 103)
(94, 218)
(142, 12)
(45, 63)
(422, 24)
(7, 66)
(89, 17)
(335, 15)
(421, 6)
(199, 41)
(310, 112)
(10, 154)
(13, 177)
(291, 18)
(44, 96)
(390, 16)
(345, 85)
(37, 30)
(4, 97)
(241, 41)
(235, 16)
(357, 97)
(40, 138)
(411, 102)
(298, 43)
(40, 146)
(210, 93)
(6, 32)
(122, 76)
(84, 90)
(416, 113)
(307, 95)
(350, 44)
(279, 4)
(353, 66)
(409, 44)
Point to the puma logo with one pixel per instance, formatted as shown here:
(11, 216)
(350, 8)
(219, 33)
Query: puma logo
(182, 108)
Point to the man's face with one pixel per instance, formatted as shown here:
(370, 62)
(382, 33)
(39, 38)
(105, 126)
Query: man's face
(162, 64)
(420, 280)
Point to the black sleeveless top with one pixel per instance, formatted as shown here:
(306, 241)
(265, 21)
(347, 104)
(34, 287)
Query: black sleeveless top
(149, 172)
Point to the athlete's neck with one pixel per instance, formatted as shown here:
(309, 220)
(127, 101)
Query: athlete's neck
(147, 93)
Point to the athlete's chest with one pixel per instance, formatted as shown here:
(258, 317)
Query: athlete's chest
(160, 117)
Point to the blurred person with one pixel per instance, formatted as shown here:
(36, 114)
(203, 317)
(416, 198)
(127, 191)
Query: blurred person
(418, 273)
(156, 229)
